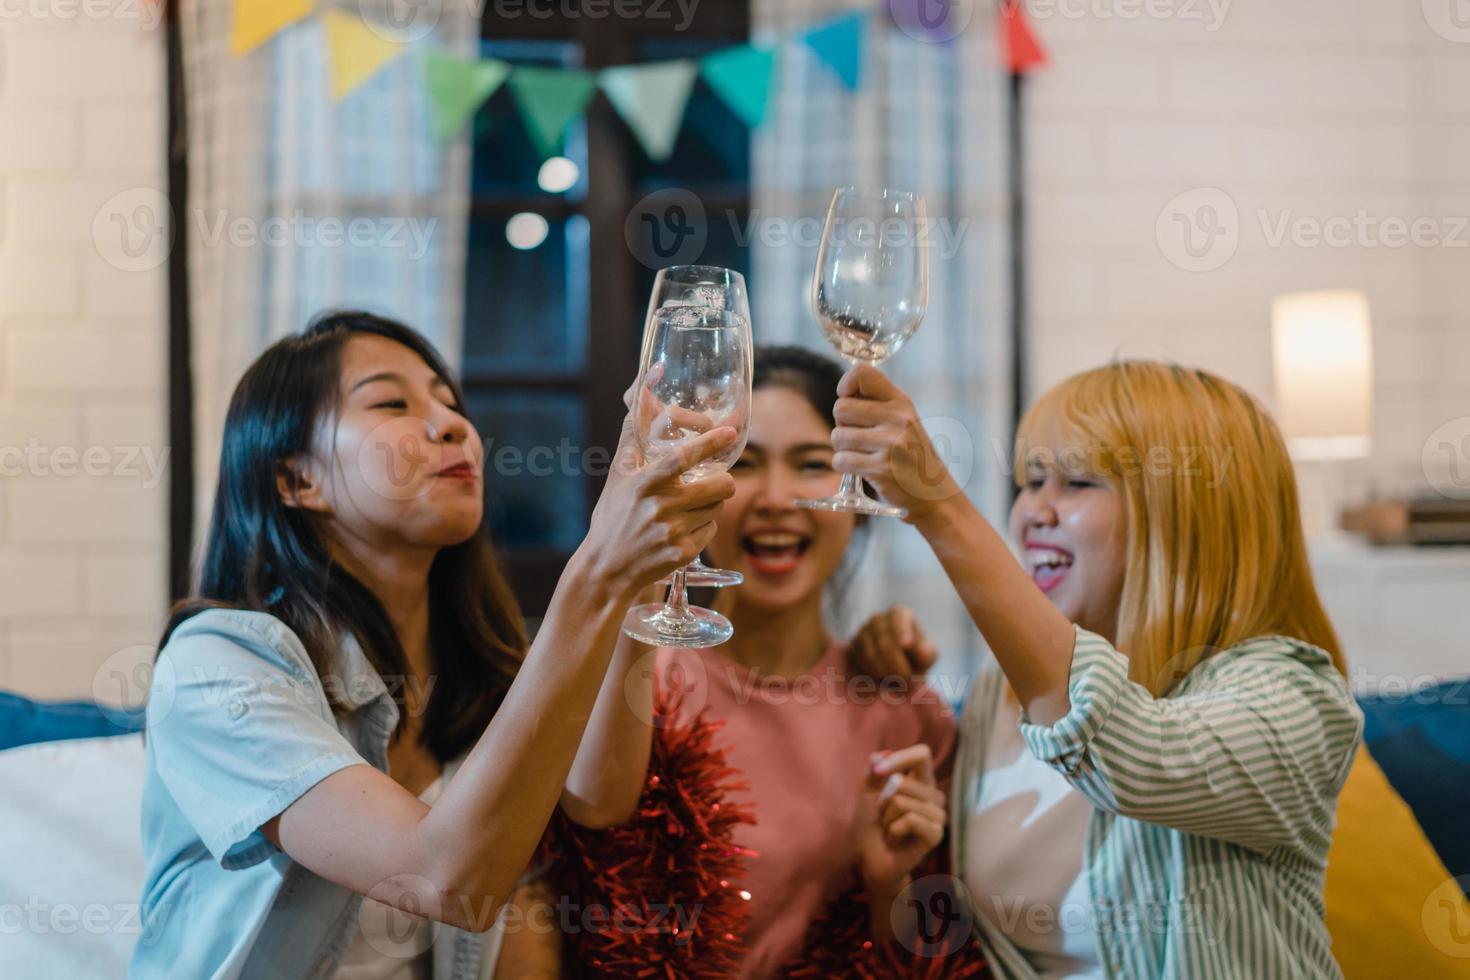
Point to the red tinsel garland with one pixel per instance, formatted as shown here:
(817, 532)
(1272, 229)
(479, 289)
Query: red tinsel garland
(840, 943)
(666, 881)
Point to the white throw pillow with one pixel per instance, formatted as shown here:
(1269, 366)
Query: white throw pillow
(72, 873)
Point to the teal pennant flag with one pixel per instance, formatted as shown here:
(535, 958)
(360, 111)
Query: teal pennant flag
(741, 77)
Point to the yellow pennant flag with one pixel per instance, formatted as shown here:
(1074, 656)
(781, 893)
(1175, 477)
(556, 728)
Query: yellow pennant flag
(355, 51)
(257, 21)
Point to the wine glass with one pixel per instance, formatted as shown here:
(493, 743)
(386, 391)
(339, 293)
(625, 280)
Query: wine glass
(870, 291)
(704, 286)
(694, 376)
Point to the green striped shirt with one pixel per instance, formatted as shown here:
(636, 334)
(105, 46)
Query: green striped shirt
(1212, 813)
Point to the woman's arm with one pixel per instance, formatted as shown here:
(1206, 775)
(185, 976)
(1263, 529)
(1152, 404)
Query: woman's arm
(530, 948)
(1246, 759)
(612, 763)
(1254, 752)
(459, 861)
(880, 438)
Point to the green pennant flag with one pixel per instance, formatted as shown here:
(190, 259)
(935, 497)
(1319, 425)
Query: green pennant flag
(549, 98)
(741, 77)
(651, 100)
(459, 86)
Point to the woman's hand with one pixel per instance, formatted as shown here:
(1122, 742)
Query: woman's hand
(901, 817)
(892, 644)
(649, 522)
(530, 945)
(879, 437)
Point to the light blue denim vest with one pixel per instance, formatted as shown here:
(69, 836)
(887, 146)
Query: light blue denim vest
(239, 726)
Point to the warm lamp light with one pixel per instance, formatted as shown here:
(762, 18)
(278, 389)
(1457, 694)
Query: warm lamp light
(1322, 345)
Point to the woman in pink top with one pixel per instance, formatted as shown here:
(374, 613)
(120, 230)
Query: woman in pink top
(840, 776)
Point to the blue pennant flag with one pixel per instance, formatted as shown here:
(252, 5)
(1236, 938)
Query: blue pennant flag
(839, 42)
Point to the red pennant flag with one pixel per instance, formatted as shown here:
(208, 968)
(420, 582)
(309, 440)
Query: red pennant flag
(1022, 51)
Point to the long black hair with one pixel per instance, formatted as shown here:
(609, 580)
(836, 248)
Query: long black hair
(265, 556)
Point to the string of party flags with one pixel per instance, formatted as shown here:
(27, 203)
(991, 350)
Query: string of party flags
(650, 97)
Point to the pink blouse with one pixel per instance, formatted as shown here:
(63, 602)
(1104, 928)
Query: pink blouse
(803, 745)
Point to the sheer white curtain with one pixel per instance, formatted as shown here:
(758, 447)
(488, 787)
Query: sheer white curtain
(297, 204)
(928, 118)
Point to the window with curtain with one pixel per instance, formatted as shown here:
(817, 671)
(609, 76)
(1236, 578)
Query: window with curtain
(554, 294)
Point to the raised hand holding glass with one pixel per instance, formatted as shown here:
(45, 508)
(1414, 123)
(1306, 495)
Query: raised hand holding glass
(694, 376)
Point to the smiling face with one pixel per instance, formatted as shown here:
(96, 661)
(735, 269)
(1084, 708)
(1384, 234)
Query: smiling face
(397, 463)
(1071, 526)
(785, 553)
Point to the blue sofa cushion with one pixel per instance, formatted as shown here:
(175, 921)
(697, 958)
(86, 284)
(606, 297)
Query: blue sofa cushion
(23, 720)
(1421, 741)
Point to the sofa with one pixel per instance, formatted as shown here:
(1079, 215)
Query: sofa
(72, 777)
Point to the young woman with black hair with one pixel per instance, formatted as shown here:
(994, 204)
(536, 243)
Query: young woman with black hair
(351, 646)
(823, 790)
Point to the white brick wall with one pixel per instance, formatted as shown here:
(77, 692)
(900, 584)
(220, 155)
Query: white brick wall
(83, 501)
(1299, 108)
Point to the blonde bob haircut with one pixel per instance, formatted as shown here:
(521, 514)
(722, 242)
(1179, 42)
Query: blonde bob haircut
(1215, 550)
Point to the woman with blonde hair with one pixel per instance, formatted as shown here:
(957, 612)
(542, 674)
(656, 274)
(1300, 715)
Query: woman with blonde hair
(1148, 769)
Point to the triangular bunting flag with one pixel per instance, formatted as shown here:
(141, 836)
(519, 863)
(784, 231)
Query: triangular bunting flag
(459, 86)
(549, 98)
(355, 52)
(257, 21)
(1022, 51)
(651, 100)
(741, 76)
(839, 42)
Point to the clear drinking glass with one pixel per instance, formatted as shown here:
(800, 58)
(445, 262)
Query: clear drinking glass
(694, 376)
(869, 293)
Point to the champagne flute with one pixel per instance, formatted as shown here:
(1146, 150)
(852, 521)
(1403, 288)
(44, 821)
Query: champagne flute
(869, 293)
(694, 376)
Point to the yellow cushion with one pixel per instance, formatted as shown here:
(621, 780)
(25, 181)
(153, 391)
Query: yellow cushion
(1393, 909)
